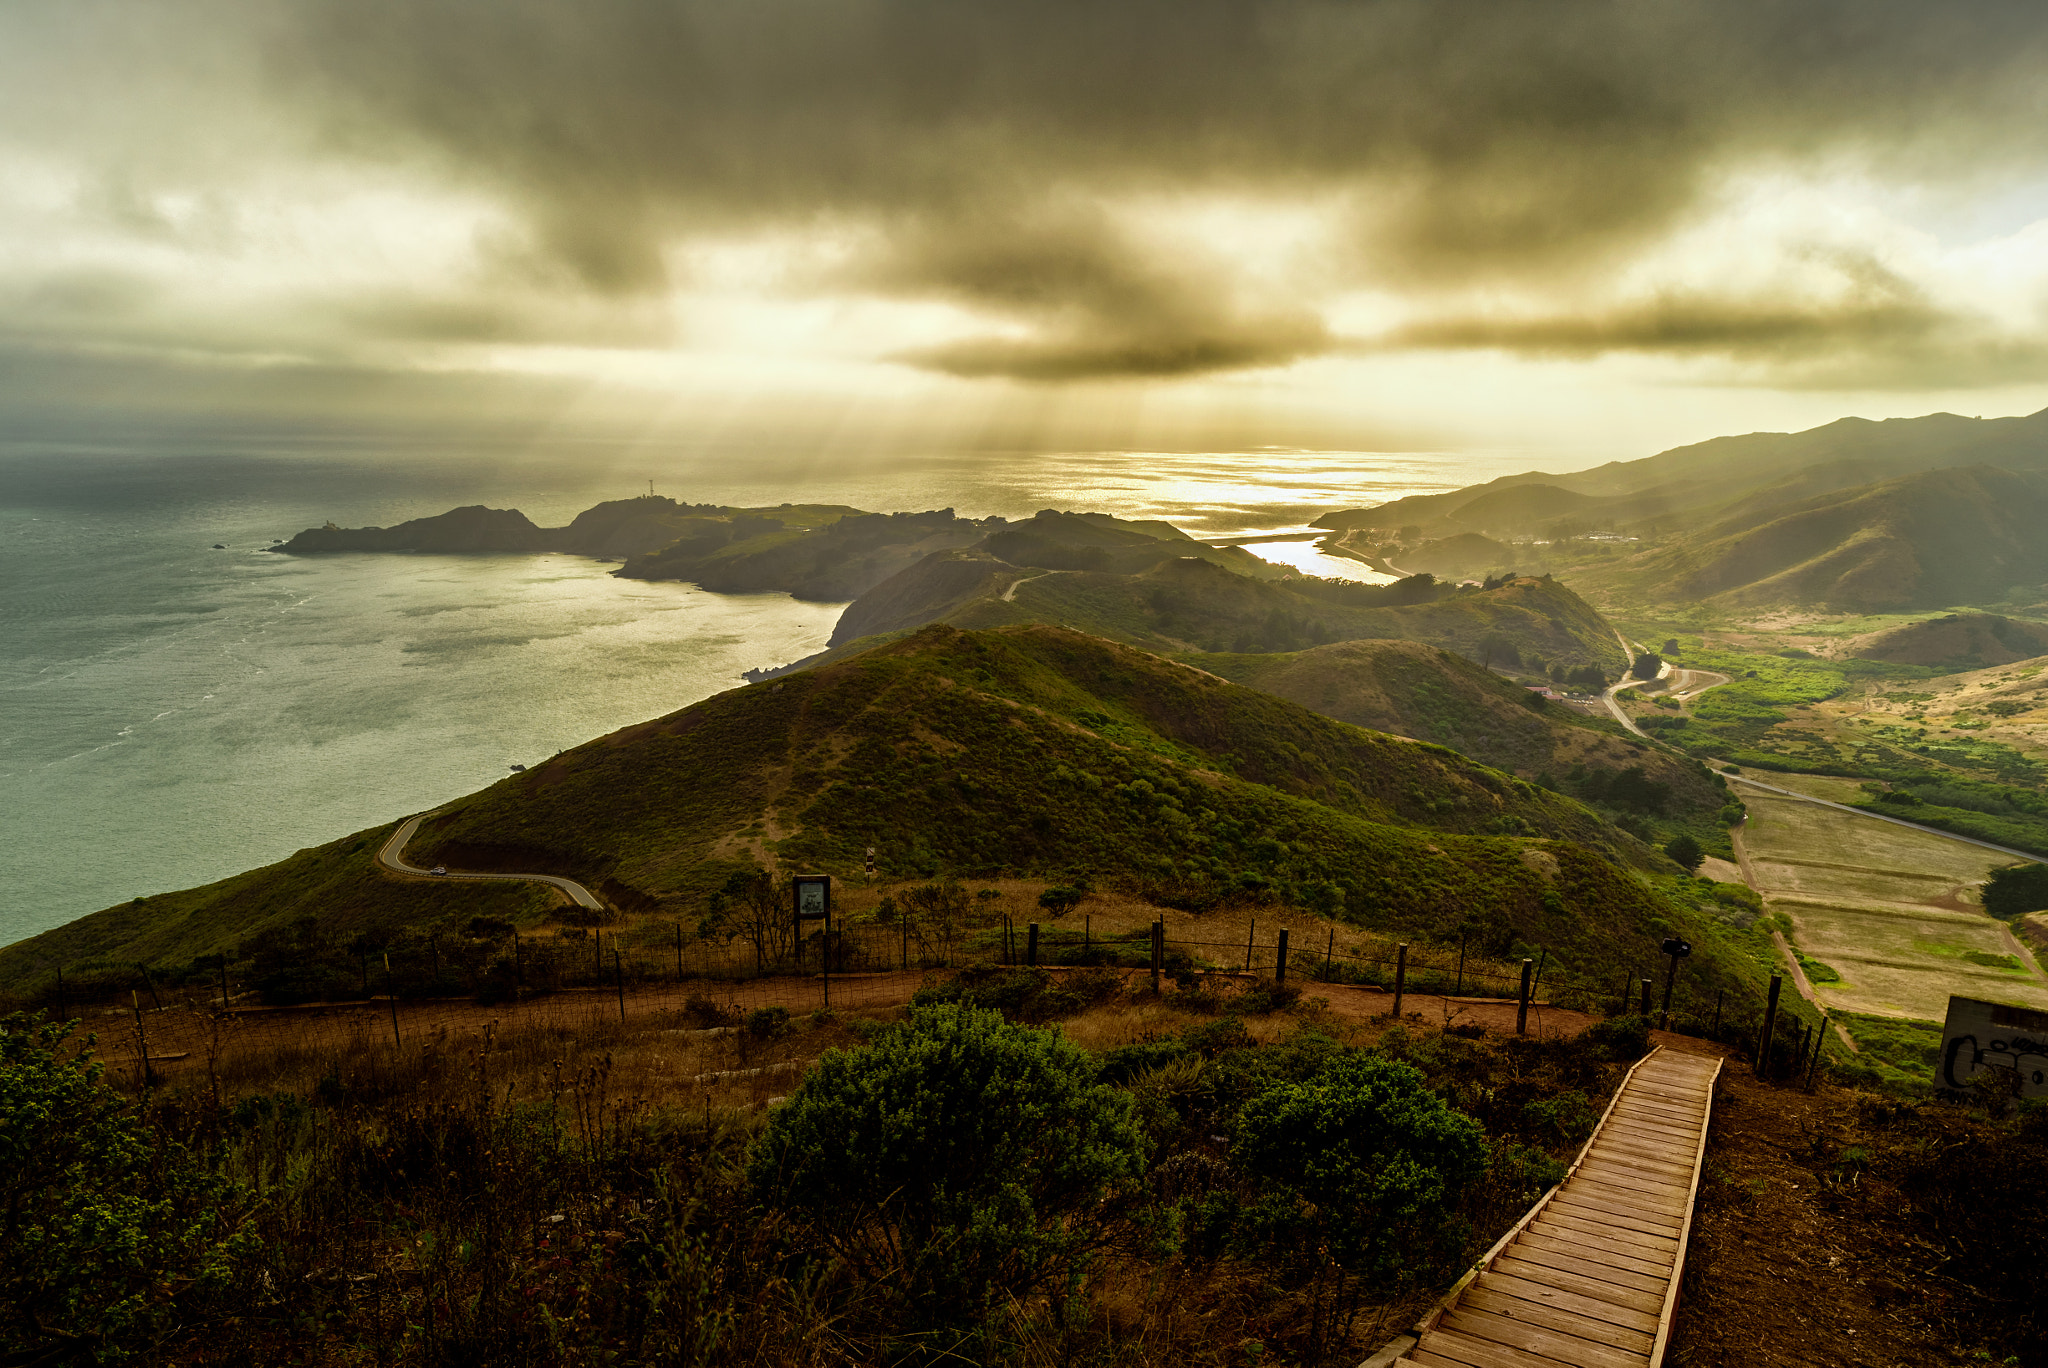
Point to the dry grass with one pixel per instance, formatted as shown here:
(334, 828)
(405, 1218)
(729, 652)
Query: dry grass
(1891, 909)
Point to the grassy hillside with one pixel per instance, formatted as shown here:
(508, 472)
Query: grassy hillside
(1955, 642)
(1031, 751)
(805, 553)
(1920, 541)
(1187, 604)
(1432, 695)
(338, 883)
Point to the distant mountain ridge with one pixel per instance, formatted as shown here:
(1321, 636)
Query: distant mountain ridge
(1700, 478)
(1920, 541)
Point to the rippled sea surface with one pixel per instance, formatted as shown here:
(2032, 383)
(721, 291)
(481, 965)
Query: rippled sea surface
(172, 713)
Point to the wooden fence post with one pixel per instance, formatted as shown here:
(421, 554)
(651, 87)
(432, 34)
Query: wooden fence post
(1158, 953)
(1250, 930)
(1031, 944)
(1522, 1012)
(1280, 958)
(1763, 1045)
(1718, 994)
(1328, 951)
(141, 1044)
(619, 979)
(1400, 977)
(1460, 989)
(1643, 1011)
(390, 988)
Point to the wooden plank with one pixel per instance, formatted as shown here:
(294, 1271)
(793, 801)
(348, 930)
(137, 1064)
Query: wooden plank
(1465, 1348)
(1428, 1360)
(1671, 1094)
(1670, 1308)
(1642, 1152)
(1651, 1267)
(1633, 1180)
(1671, 1208)
(1642, 1165)
(1567, 1263)
(1567, 1281)
(1654, 1132)
(1554, 1318)
(1591, 1208)
(1577, 1350)
(1578, 1304)
(1633, 1110)
(1560, 1218)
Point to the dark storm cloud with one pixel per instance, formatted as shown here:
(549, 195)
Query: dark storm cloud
(1875, 311)
(1512, 140)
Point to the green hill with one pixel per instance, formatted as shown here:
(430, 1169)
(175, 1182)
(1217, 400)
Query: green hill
(1954, 641)
(1919, 541)
(823, 559)
(1034, 751)
(1418, 691)
(1463, 556)
(1187, 604)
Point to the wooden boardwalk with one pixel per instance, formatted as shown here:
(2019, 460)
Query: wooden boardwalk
(1590, 1276)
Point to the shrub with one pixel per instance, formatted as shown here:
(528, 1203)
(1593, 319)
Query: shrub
(2016, 890)
(1624, 1039)
(768, 1023)
(1060, 900)
(1685, 852)
(113, 1231)
(1372, 1152)
(956, 1159)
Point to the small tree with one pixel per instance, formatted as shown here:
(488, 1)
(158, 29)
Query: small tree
(1060, 900)
(1685, 852)
(1647, 665)
(2016, 890)
(1375, 1157)
(955, 1159)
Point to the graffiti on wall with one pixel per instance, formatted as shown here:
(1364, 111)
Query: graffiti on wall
(1980, 1036)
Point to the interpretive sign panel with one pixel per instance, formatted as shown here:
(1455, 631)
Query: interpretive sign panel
(813, 896)
(1979, 1036)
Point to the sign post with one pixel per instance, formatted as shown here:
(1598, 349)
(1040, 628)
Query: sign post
(814, 903)
(1677, 950)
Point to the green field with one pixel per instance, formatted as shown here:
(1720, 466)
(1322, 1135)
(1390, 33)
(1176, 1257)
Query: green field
(1890, 909)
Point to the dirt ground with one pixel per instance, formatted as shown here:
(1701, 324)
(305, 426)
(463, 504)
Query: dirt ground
(1788, 1265)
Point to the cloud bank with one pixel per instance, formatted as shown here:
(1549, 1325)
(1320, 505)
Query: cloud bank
(1072, 189)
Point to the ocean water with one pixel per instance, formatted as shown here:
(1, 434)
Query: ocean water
(172, 713)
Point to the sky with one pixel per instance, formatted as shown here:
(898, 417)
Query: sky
(1580, 230)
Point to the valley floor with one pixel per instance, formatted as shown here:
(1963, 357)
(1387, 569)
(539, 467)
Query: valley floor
(1888, 911)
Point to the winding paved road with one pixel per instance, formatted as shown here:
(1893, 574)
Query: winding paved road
(392, 857)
